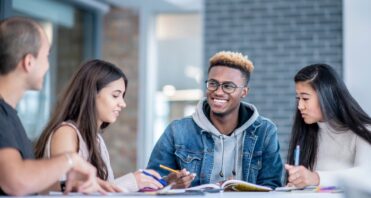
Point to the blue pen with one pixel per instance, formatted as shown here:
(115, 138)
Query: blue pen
(162, 181)
(297, 155)
(327, 188)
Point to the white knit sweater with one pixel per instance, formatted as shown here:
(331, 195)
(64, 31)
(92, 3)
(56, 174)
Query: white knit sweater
(339, 154)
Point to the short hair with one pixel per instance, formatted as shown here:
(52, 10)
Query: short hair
(233, 60)
(19, 36)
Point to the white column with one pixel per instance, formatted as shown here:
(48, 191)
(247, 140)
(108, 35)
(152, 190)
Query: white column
(357, 50)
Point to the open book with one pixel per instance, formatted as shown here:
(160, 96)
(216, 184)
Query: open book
(233, 185)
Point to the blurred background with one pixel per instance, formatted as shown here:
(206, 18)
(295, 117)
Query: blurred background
(164, 45)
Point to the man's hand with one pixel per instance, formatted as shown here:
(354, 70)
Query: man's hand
(181, 179)
(299, 176)
(82, 177)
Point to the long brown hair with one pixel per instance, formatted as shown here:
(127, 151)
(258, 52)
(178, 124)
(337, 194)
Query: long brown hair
(78, 104)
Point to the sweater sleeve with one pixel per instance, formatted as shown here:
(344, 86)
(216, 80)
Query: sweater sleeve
(361, 160)
(127, 183)
(330, 178)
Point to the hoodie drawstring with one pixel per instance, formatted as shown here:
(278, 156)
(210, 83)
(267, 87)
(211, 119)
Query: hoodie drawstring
(221, 173)
(235, 156)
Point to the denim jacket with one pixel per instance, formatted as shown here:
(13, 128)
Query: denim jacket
(184, 144)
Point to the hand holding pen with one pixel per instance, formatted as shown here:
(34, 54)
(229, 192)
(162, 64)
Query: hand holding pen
(149, 179)
(179, 178)
(299, 176)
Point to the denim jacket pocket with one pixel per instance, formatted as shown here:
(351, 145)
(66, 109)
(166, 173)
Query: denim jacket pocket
(189, 160)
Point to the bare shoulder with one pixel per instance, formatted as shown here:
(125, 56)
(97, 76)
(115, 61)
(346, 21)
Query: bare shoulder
(65, 131)
(64, 139)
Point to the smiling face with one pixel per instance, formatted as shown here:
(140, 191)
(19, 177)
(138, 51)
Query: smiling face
(221, 103)
(308, 103)
(110, 101)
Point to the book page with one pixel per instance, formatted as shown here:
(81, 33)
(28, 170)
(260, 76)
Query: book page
(238, 185)
(205, 187)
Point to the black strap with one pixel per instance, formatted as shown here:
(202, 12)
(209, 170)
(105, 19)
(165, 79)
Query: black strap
(63, 185)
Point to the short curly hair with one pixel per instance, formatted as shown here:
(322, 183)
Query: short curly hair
(233, 60)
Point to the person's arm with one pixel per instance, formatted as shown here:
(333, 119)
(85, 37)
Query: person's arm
(163, 153)
(301, 177)
(272, 167)
(361, 158)
(22, 177)
(65, 140)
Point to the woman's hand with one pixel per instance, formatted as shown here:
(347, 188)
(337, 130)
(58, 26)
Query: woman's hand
(107, 186)
(147, 181)
(299, 176)
(181, 179)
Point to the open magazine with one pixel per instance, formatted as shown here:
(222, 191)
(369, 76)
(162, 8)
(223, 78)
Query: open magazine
(233, 185)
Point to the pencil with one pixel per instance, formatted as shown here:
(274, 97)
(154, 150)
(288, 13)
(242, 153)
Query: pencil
(168, 169)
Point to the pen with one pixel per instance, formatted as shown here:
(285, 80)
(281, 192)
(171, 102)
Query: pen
(326, 188)
(297, 155)
(168, 169)
(162, 181)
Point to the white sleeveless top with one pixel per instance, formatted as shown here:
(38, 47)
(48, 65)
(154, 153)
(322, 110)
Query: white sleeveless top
(127, 182)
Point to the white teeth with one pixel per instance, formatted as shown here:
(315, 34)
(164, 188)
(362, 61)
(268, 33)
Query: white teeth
(219, 101)
(116, 112)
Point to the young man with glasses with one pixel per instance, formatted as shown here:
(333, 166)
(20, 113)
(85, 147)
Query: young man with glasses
(225, 138)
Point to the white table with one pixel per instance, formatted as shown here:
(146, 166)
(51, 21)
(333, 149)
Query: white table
(235, 195)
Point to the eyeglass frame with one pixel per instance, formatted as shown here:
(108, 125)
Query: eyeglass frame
(221, 85)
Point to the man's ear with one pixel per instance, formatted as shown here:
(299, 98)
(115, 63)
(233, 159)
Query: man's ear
(245, 91)
(28, 62)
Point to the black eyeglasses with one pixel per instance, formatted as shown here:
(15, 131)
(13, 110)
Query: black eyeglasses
(227, 87)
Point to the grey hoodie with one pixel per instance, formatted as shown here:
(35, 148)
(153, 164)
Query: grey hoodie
(228, 149)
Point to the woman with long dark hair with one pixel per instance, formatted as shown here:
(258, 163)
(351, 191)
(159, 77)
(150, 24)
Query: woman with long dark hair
(93, 99)
(330, 127)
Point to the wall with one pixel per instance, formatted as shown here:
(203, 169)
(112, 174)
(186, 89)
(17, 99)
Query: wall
(120, 46)
(357, 48)
(280, 37)
(69, 53)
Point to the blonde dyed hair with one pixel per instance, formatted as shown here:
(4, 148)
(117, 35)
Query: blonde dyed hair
(234, 60)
